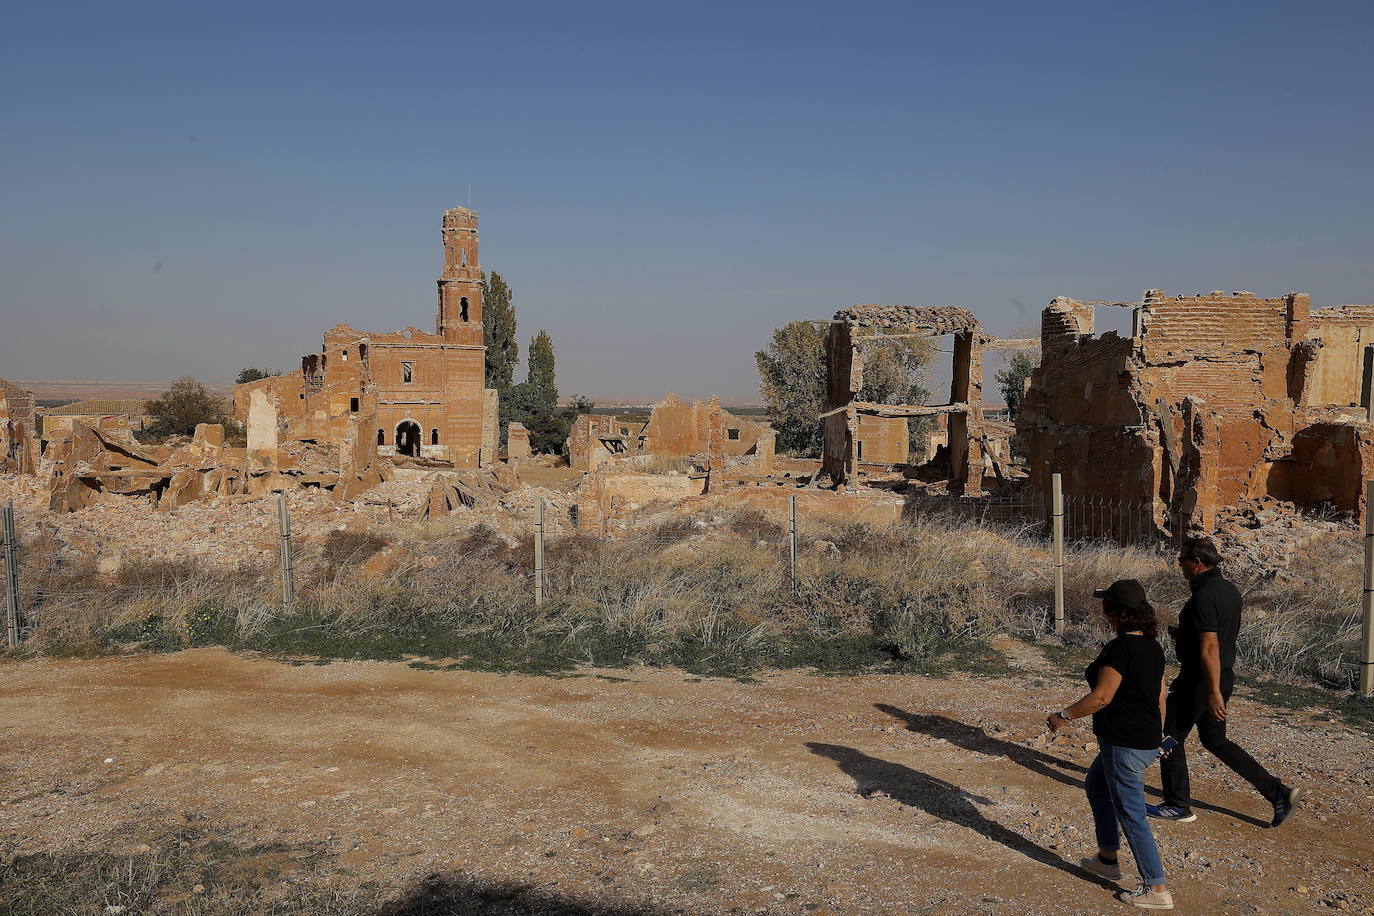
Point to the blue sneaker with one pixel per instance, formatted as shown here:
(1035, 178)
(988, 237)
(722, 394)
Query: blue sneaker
(1284, 804)
(1171, 813)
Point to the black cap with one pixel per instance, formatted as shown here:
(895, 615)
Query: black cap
(1125, 592)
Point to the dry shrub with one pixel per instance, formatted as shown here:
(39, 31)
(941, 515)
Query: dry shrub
(348, 547)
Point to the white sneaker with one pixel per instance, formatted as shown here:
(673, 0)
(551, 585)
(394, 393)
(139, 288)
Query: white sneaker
(1109, 870)
(1147, 899)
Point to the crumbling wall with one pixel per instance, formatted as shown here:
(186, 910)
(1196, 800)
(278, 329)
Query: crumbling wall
(1343, 360)
(845, 380)
(1213, 402)
(18, 430)
(517, 441)
(882, 440)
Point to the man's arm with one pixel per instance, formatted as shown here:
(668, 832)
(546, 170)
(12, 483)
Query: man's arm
(1210, 651)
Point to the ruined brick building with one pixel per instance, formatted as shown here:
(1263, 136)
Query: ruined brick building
(418, 394)
(1213, 400)
(18, 430)
(675, 429)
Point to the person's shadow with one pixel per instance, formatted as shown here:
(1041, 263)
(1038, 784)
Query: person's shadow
(972, 738)
(944, 800)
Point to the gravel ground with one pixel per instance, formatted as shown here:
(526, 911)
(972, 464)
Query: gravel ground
(793, 794)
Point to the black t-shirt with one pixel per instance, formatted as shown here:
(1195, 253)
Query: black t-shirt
(1213, 608)
(1131, 719)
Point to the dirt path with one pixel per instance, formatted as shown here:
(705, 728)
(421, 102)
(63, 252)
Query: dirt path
(795, 794)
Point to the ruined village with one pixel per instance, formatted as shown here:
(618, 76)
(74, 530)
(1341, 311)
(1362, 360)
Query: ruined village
(651, 460)
(1218, 409)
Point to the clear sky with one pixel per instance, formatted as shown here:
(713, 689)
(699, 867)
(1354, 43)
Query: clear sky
(189, 188)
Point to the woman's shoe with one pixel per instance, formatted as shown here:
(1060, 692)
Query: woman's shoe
(1109, 870)
(1147, 899)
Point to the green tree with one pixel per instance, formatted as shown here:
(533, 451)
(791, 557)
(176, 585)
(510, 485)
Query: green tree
(498, 330)
(253, 373)
(183, 406)
(792, 380)
(1011, 378)
(534, 402)
(540, 374)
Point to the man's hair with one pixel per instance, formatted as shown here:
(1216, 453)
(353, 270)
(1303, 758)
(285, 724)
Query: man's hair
(1202, 550)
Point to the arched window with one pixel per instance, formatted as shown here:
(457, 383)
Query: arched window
(434, 437)
(465, 257)
(463, 308)
(381, 437)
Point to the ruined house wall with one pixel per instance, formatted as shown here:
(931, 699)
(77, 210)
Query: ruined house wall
(517, 441)
(19, 445)
(882, 440)
(1340, 373)
(585, 450)
(1205, 408)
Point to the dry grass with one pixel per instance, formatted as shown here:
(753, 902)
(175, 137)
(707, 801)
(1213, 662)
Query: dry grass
(713, 596)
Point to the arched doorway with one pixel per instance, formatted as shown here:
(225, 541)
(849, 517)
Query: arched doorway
(408, 438)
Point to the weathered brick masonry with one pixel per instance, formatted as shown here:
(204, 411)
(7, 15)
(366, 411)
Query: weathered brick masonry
(1212, 401)
(425, 391)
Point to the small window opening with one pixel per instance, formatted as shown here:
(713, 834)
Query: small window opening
(463, 308)
(381, 437)
(732, 434)
(624, 430)
(861, 450)
(407, 373)
(434, 437)
(464, 257)
(302, 395)
(345, 356)
(353, 405)
(362, 352)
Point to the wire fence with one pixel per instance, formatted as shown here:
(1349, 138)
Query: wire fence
(35, 580)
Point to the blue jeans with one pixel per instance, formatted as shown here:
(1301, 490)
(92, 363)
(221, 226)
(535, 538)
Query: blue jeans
(1116, 792)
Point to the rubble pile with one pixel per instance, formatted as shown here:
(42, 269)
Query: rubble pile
(1267, 535)
(92, 463)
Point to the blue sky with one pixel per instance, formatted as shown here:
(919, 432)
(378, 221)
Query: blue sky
(188, 189)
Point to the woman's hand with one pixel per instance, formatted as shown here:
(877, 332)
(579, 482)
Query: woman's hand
(1055, 722)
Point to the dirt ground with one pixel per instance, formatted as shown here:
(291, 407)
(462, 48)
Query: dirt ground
(794, 794)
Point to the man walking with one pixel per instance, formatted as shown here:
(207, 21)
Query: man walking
(1205, 642)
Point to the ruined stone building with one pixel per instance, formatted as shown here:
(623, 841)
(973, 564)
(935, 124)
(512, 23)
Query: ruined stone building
(18, 430)
(858, 433)
(418, 394)
(1211, 401)
(675, 429)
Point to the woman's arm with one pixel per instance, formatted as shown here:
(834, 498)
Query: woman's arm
(1108, 680)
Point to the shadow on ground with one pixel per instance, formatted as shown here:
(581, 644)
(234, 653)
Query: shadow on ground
(943, 800)
(972, 738)
(442, 895)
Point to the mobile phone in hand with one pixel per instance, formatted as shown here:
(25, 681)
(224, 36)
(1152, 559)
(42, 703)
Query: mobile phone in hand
(1167, 745)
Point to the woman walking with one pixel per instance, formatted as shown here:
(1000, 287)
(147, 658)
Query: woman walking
(1127, 705)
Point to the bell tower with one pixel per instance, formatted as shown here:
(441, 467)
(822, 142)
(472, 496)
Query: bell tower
(460, 285)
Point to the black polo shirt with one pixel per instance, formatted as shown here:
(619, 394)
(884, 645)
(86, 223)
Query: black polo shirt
(1131, 719)
(1213, 608)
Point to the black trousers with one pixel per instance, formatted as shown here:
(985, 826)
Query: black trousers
(1186, 707)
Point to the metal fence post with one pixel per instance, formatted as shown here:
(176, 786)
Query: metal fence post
(1057, 506)
(11, 577)
(288, 588)
(793, 541)
(1367, 632)
(539, 552)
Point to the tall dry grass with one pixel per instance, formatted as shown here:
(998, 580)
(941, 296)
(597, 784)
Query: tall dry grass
(691, 591)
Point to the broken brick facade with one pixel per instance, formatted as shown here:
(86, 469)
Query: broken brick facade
(18, 430)
(1214, 400)
(675, 429)
(425, 392)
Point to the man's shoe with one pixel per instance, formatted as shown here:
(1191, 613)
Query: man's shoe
(1109, 870)
(1288, 800)
(1147, 899)
(1173, 813)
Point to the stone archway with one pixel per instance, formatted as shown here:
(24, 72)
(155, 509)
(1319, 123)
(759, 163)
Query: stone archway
(408, 438)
